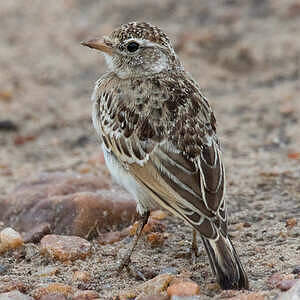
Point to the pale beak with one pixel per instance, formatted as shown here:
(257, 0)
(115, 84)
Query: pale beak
(99, 45)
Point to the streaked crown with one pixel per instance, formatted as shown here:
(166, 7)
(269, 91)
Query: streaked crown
(140, 30)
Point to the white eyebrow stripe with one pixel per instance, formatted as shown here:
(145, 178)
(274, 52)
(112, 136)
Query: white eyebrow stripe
(141, 42)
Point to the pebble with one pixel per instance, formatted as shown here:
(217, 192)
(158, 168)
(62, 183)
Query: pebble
(13, 285)
(169, 270)
(53, 297)
(10, 239)
(290, 223)
(249, 296)
(3, 269)
(185, 298)
(31, 250)
(183, 288)
(154, 286)
(81, 276)
(8, 125)
(21, 140)
(296, 270)
(154, 225)
(291, 294)
(86, 295)
(46, 271)
(158, 214)
(155, 239)
(64, 248)
(71, 203)
(153, 298)
(285, 285)
(213, 286)
(53, 288)
(14, 295)
(228, 294)
(274, 280)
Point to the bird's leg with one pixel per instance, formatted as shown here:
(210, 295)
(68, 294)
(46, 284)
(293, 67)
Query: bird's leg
(126, 259)
(194, 248)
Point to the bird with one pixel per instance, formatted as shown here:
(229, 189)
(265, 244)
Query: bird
(158, 136)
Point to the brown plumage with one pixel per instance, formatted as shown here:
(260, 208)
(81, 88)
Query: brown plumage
(159, 140)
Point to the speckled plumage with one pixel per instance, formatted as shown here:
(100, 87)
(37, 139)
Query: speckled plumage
(159, 139)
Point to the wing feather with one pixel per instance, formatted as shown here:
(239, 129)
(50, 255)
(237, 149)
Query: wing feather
(191, 187)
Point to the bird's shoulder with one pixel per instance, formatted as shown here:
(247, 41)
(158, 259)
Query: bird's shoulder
(152, 110)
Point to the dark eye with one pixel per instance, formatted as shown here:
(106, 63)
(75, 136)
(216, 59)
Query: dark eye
(132, 46)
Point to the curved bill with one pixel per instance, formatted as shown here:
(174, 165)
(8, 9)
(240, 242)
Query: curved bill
(99, 45)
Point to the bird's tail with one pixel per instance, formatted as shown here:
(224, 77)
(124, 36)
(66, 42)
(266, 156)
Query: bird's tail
(225, 263)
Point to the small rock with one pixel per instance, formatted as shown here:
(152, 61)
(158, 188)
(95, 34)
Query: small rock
(290, 223)
(37, 232)
(153, 287)
(13, 285)
(213, 286)
(291, 294)
(169, 270)
(20, 139)
(6, 95)
(185, 298)
(10, 239)
(153, 298)
(8, 125)
(86, 295)
(276, 278)
(53, 288)
(46, 271)
(249, 296)
(31, 250)
(294, 155)
(228, 294)
(296, 270)
(65, 248)
(159, 214)
(155, 239)
(14, 295)
(3, 269)
(285, 285)
(183, 288)
(73, 204)
(85, 169)
(238, 226)
(81, 276)
(154, 225)
(53, 297)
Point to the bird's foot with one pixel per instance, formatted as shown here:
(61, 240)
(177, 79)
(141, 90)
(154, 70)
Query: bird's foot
(126, 263)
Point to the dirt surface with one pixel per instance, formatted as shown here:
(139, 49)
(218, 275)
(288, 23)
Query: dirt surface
(246, 56)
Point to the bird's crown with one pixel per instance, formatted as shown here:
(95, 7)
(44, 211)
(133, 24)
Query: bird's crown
(140, 30)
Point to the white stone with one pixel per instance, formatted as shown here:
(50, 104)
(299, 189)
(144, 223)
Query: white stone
(10, 239)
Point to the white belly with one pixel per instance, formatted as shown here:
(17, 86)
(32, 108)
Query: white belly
(123, 178)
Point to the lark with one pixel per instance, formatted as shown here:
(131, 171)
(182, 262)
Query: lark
(159, 140)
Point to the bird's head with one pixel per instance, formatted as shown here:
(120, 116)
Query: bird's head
(136, 49)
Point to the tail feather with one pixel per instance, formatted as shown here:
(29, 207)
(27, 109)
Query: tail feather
(225, 263)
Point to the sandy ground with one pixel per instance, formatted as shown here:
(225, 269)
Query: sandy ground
(246, 56)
